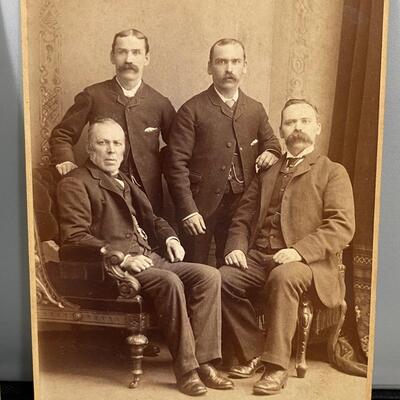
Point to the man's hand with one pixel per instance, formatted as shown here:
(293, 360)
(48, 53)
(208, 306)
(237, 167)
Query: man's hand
(136, 264)
(237, 258)
(65, 167)
(175, 250)
(265, 159)
(286, 256)
(194, 225)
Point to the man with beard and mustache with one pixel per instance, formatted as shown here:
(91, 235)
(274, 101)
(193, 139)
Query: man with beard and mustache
(142, 112)
(218, 139)
(284, 238)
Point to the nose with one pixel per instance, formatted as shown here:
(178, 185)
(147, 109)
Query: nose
(129, 57)
(110, 148)
(229, 66)
(298, 126)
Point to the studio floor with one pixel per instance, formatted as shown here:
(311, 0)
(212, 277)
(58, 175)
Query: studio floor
(98, 369)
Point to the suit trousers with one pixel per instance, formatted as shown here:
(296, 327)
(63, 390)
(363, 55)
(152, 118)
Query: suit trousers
(187, 301)
(281, 287)
(217, 225)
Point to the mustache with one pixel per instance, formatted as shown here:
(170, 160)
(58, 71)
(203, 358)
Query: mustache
(229, 76)
(298, 137)
(128, 67)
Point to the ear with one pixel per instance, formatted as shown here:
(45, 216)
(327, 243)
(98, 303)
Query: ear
(209, 71)
(147, 59)
(112, 57)
(319, 129)
(244, 66)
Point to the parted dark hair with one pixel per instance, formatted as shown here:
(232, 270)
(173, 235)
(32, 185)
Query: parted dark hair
(223, 42)
(131, 32)
(290, 102)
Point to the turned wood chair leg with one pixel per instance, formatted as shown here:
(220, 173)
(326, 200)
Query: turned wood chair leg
(137, 343)
(335, 332)
(303, 332)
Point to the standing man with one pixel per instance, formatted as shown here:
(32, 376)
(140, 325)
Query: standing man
(218, 139)
(284, 237)
(99, 207)
(142, 112)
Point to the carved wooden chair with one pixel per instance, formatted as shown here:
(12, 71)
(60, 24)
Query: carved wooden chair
(315, 324)
(76, 286)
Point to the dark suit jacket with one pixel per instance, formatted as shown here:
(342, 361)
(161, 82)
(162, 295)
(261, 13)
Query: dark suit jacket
(201, 146)
(317, 218)
(93, 213)
(148, 109)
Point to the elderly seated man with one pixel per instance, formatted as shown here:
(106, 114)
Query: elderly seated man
(100, 207)
(284, 237)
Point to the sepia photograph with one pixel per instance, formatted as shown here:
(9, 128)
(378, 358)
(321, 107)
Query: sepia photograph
(203, 185)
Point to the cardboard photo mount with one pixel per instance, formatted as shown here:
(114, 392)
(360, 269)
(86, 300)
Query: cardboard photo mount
(332, 53)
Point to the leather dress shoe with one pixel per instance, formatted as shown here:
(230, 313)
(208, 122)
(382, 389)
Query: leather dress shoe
(191, 384)
(151, 350)
(247, 370)
(210, 377)
(271, 382)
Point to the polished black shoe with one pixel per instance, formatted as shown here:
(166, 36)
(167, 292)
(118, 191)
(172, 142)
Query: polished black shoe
(247, 370)
(211, 378)
(271, 382)
(191, 384)
(151, 350)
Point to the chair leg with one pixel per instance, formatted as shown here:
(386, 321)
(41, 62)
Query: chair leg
(303, 332)
(335, 332)
(137, 343)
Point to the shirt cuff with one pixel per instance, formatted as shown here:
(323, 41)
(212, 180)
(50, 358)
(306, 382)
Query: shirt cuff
(171, 238)
(189, 216)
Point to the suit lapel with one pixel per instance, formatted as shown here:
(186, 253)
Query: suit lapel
(125, 101)
(267, 187)
(240, 106)
(305, 165)
(105, 181)
(217, 102)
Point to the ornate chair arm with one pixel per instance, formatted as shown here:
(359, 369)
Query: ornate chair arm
(129, 287)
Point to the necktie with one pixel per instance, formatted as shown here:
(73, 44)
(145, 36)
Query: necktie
(292, 161)
(230, 103)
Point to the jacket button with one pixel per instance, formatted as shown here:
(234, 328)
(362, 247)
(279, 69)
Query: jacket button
(218, 191)
(229, 144)
(223, 168)
(241, 148)
(128, 235)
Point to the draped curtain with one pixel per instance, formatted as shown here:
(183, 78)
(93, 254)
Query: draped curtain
(353, 143)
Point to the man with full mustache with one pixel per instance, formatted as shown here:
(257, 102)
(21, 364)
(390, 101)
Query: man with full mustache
(284, 238)
(218, 139)
(142, 112)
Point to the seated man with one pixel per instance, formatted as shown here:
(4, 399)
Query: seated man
(100, 207)
(284, 237)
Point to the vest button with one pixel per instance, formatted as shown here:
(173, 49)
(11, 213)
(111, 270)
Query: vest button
(229, 144)
(128, 235)
(218, 191)
(223, 168)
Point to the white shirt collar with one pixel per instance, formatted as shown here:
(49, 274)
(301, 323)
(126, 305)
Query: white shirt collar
(129, 92)
(225, 99)
(306, 151)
